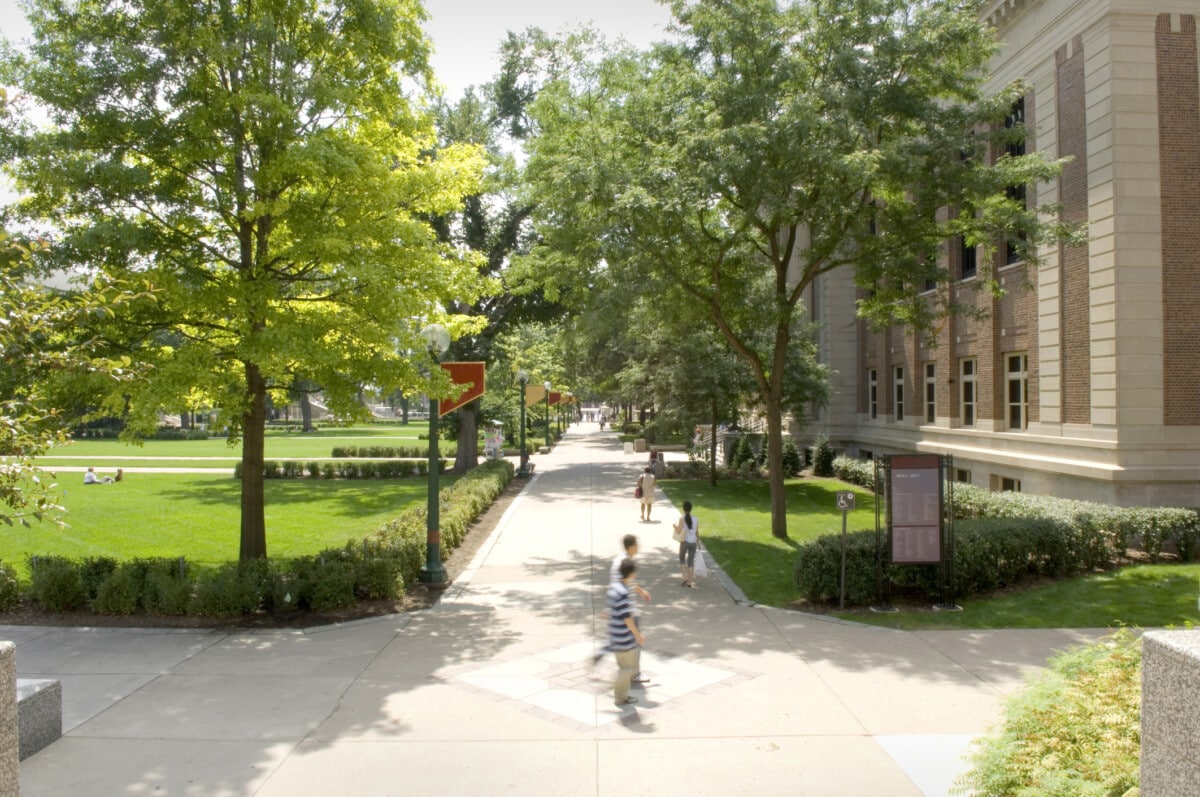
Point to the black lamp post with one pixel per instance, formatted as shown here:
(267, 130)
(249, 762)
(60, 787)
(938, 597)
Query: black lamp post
(523, 379)
(433, 575)
(546, 385)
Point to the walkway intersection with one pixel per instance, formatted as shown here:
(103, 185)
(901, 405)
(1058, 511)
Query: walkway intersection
(494, 690)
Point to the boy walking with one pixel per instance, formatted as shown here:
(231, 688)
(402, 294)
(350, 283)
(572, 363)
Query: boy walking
(624, 638)
(630, 542)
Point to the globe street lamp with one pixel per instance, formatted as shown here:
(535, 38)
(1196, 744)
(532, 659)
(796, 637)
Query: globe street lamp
(546, 385)
(523, 378)
(433, 575)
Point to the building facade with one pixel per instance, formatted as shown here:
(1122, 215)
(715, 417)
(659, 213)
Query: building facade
(1083, 380)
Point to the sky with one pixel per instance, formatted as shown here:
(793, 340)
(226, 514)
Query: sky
(467, 33)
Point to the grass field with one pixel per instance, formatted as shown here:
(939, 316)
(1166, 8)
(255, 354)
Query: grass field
(217, 453)
(1143, 596)
(198, 516)
(735, 525)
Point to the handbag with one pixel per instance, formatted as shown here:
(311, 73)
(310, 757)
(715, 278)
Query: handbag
(678, 534)
(701, 569)
(637, 491)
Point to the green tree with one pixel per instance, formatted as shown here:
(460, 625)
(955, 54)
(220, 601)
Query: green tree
(268, 168)
(773, 142)
(44, 334)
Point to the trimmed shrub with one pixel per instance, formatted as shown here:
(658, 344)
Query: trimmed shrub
(230, 590)
(855, 471)
(818, 568)
(119, 593)
(55, 583)
(167, 586)
(823, 457)
(742, 453)
(10, 591)
(94, 571)
(791, 459)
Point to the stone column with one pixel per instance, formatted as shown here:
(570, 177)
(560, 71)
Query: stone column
(9, 738)
(1170, 713)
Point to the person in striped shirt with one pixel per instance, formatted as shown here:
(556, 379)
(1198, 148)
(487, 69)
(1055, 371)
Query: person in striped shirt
(624, 638)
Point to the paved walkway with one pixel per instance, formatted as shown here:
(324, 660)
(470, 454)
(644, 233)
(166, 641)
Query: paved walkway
(493, 692)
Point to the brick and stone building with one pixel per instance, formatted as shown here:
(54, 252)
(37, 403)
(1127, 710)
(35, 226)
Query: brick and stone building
(1083, 380)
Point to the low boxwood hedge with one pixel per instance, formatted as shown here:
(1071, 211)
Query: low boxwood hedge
(1000, 539)
(378, 567)
(300, 469)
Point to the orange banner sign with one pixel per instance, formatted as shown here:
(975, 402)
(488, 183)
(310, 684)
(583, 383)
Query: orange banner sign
(467, 376)
(534, 394)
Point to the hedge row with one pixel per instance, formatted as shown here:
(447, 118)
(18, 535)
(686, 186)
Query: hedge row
(378, 567)
(384, 452)
(299, 469)
(1001, 539)
(380, 452)
(1153, 529)
(460, 504)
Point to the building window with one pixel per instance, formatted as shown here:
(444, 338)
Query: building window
(962, 475)
(1010, 485)
(1017, 381)
(1015, 149)
(967, 260)
(930, 392)
(873, 393)
(898, 392)
(967, 396)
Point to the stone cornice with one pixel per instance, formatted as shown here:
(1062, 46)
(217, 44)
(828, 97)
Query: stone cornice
(999, 13)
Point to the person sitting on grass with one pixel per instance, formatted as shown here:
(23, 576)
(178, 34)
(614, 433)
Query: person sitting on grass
(90, 477)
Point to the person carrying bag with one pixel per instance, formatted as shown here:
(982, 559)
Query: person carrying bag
(688, 528)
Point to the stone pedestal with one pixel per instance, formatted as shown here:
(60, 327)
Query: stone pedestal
(1170, 713)
(10, 783)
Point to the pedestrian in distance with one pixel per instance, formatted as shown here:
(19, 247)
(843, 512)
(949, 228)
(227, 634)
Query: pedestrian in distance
(646, 483)
(624, 638)
(690, 528)
(630, 542)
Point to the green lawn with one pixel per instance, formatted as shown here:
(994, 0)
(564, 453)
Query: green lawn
(279, 445)
(1143, 596)
(198, 516)
(735, 525)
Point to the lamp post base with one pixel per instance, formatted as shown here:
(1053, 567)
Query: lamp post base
(436, 580)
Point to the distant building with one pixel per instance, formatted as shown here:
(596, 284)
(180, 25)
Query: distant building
(1083, 382)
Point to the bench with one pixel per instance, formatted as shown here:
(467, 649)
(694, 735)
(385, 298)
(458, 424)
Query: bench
(39, 714)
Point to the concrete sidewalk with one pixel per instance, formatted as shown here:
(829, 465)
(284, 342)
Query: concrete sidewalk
(493, 692)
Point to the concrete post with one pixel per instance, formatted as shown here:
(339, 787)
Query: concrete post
(10, 784)
(1170, 713)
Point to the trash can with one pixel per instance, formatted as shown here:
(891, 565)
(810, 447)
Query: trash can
(639, 445)
(629, 448)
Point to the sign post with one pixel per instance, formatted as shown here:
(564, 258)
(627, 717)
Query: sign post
(845, 502)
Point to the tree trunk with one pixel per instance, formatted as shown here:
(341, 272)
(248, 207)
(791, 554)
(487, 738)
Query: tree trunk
(254, 425)
(712, 448)
(185, 420)
(467, 455)
(404, 410)
(775, 464)
(306, 411)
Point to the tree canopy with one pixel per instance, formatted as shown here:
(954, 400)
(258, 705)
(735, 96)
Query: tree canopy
(270, 169)
(773, 142)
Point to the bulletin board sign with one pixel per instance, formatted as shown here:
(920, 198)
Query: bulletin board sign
(915, 509)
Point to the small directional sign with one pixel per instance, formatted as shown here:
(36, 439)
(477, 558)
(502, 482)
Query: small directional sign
(845, 499)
